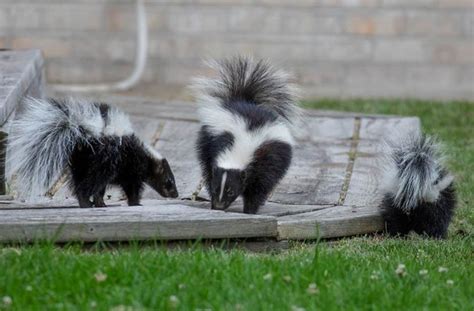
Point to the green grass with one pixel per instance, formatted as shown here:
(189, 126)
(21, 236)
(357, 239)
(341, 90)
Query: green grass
(350, 274)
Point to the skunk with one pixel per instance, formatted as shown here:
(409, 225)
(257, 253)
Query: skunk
(92, 142)
(419, 193)
(244, 145)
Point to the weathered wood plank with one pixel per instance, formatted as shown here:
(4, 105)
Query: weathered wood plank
(179, 111)
(165, 222)
(320, 159)
(315, 178)
(20, 75)
(183, 110)
(377, 129)
(177, 144)
(367, 172)
(330, 223)
(278, 210)
(148, 129)
(269, 209)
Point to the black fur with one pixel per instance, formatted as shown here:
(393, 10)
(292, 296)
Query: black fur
(431, 219)
(269, 166)
(121, 161)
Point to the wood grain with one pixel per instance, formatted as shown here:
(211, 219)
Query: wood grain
(320, 159)
(146, 128)
(20, 75)
(177, 144)
(186, 111)
(164, 222)
(303, 206)
(330, 223)
(367, 172)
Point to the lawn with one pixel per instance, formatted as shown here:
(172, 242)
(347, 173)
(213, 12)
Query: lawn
(349, 274)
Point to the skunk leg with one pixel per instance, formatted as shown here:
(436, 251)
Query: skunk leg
(99, 198)
(253, 200)
(132, 191)
(256, 193)
(84, 200)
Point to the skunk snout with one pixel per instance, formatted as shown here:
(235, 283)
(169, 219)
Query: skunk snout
(173, 193)
(170, 192)
(216, 204)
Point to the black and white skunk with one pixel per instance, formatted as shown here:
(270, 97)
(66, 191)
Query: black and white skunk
(93, 143)
(245, 142)
(419, 191)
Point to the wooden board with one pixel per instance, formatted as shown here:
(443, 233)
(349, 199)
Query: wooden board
(320, 159)
(330, 223)
(186, 111)
(148, 129)
(269, 209)
(329, 191)
(367, 172)
(20, 75)
(177, 144)
(324, 154)
(179, 111)
(161, 222)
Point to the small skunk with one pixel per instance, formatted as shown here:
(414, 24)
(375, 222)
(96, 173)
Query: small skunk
(245, 143)
(419, 191)
(92, 142)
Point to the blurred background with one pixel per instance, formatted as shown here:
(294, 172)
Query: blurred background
(334, 48)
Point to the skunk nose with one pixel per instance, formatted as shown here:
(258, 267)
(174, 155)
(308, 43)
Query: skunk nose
(174, 194)
(218, 205)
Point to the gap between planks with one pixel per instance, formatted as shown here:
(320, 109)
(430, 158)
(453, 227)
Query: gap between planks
(352, 157)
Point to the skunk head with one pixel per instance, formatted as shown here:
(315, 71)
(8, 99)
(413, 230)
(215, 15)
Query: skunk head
(226, 186)
(161, 178)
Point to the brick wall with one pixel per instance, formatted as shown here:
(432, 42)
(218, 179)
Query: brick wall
(335, 48)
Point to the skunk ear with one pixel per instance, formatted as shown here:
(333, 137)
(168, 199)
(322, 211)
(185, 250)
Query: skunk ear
(165, 165)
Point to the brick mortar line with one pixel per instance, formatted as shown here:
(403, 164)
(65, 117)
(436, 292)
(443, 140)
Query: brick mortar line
(227, 36)
(352, 157)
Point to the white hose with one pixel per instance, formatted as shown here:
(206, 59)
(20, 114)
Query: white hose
(140, 62)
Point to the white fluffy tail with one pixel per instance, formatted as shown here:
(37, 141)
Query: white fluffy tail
(42, 139)
(242, 79)
(414, 172)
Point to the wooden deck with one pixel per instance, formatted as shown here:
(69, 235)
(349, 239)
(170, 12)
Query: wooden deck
(331, 189)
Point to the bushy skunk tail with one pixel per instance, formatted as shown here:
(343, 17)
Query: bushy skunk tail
(242, 79)
(43, 138)
(419, 192)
